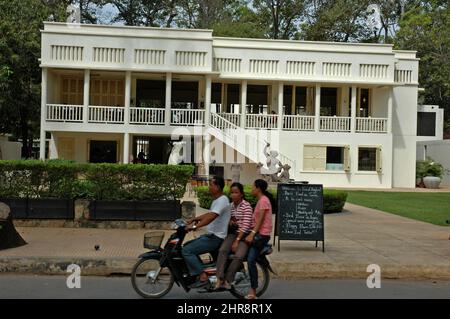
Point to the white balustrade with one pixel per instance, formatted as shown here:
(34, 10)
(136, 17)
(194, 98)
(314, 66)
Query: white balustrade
(298, 123)
(64, 113)
(371, 125)
(335, 123)
(106, 114)
(187, 117)
(220, 122)
(232, 117)
(141, 115)
(261, 121)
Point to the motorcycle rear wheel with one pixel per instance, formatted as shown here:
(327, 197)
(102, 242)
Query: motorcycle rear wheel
(144, 281)
(240, 289)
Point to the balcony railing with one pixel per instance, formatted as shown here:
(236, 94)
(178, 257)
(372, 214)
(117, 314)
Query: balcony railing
(147, 116)
(335, 123)
(298, 123)
(261, 121)
(106, 114)
(232, 117)
(187, 117)
(64, 113)
(196, 117)
(371, 125)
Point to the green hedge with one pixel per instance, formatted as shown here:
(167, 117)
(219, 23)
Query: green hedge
(69, 180)
(333, 200)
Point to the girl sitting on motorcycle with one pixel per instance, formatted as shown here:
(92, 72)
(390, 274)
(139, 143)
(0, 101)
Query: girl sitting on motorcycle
(240, 227)
(260, 235)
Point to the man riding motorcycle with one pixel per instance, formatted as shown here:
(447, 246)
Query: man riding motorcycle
(217, 220)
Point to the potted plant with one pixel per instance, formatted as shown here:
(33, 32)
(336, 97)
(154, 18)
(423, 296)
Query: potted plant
(430, 173)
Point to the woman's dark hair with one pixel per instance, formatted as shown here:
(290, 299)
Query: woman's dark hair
(262, 185)
(240, 187)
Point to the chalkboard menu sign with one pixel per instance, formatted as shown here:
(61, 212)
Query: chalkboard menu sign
(300, 213)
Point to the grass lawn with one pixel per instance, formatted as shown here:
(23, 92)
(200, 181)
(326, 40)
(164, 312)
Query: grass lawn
(432, 208)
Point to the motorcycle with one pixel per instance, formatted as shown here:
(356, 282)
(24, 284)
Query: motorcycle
(157, 270)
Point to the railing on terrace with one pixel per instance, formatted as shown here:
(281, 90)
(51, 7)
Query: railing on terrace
(64, 113)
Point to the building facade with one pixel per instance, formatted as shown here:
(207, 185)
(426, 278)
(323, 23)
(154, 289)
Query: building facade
(339, 114)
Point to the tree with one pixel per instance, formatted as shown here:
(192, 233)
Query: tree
(336, 20)
(20, 74)
(280, 17)
(426, 28)
(241, 23)
(204, 14)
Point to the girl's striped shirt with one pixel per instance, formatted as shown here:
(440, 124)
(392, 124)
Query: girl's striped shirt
(244, 216)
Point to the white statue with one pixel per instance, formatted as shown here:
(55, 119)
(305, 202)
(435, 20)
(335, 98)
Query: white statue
(176, 155)
(285, 176)
(273, 164)
(236, 172)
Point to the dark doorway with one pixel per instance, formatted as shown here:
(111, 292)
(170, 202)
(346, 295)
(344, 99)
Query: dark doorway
(157, 149)
(185, 95)
(233, 95)
(103, 152)
(300, 101)
(150, 93)
(328, 101)
(257, 99)
(364, 103)
(216, 96)
(287, 99)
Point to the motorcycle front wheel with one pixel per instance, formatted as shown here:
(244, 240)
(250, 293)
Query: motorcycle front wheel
(149, 280)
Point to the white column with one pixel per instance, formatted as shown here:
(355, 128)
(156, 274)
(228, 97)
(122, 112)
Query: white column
(86, 92)
(126, 148)
(127, 98)
(243, 103)
(353, 109)
(207, 152)
(280, 105)
(168, 98)
(207, 100)
(317, 109)
(43, 113)
(390, 110)
(52, 149)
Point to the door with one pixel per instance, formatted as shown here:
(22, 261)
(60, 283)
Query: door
(66, 148)
(103, 152)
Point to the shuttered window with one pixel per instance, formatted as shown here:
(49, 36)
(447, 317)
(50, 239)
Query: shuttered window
(369, 159)
(72, 91)
(326, 158)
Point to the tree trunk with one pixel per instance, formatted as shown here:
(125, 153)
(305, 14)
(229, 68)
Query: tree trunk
(9, 237)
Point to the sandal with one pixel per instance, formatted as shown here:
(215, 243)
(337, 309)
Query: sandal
(251, 297)
(226, 286)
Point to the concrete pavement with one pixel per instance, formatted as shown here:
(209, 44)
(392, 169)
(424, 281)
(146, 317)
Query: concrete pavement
(403, 248)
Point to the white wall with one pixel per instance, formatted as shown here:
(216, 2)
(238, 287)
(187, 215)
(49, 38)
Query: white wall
(380, 102)
(293, 148)
(439, 122)
(81, 143)
(10, 150)
(404, 129)
(439, 151)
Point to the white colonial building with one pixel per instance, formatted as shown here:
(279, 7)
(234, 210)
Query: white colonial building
(340, 114)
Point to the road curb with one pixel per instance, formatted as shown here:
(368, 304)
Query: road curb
(284, 270)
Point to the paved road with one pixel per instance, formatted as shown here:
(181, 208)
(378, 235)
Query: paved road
(26, 286)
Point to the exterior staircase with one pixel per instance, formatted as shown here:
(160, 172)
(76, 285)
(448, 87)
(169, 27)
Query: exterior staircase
(243, 141)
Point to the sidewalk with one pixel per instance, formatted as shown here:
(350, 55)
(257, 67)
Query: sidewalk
(359, 236)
